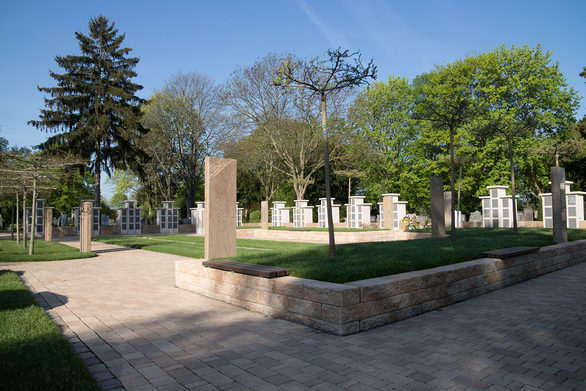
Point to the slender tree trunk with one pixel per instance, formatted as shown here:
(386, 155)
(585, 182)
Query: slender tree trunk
(460, 186)
(349, 188)
(324, 125)
(97, 181)
(24, 222)
(31, 247)
(513, 192)
(17, 222)
(453, 230)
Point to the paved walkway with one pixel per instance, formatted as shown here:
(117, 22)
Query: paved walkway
(136, 331)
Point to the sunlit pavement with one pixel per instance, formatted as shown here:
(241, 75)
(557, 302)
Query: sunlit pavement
(136, 331)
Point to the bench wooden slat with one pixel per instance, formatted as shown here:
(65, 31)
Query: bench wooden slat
(247, 268)
(510, 252)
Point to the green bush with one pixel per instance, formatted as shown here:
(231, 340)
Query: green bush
(254, 216)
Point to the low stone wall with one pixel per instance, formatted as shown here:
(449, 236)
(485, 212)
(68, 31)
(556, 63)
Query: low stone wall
(186, 228)
(59, 232)
(109, 230)
(322, 236)
(349, 308)
(149, 229)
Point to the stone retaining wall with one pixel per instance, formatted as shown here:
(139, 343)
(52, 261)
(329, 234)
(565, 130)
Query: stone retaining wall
(322, 236)
(349, 308)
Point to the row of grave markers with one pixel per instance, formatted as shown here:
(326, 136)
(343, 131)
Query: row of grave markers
(497, 212)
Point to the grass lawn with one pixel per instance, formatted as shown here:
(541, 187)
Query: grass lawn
(33, 353)
(44, 251)
(360, 260)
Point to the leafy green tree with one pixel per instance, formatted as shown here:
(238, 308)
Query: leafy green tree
(445, 99)
(383, 115)
(71, 190)
(522, 94)
(94, 103)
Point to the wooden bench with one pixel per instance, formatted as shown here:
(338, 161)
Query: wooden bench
(247, 268)
(510, 252)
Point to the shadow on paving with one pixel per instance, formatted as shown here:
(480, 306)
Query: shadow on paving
(530, 334)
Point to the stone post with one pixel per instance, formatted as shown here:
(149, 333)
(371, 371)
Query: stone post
(48, 224)
(448, 209)
(558, 203)
(264, 215)
(438, 226)
(388, 212)
(220, 214)
(85, 227)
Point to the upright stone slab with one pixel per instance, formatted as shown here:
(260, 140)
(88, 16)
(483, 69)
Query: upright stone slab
(388, 212)
(264, 215)
(558, 195)
(438, 225)
(448, 209)
(85, 227)
(48, 224)
(220, 214)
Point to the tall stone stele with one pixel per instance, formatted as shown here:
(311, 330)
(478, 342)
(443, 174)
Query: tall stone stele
(220, 214)
(558, 204)
(264, 215)
(438, 224)
(85, 227)
(48, 224)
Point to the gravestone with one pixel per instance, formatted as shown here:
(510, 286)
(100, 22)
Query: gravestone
(264, 215)
(391, 211)
(497, 208)
(448, 209)
(438, 225)
(357, 213)
(322, 213)
(168, 218)
(302, 214)
(63, 220)
(197, 217)
(280, 214)
(476, 217)
(558, 196)
(574, 207)
(85, 227)
(220, 214)
(48, 224)
(39, 229)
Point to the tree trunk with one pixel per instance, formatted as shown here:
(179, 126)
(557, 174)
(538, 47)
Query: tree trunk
(460, 185)
(453, 230)
(97, 181)
(24, 222)
(513, 194)
(324, 125)
(31, 247)
(17, 222)
(349, 188)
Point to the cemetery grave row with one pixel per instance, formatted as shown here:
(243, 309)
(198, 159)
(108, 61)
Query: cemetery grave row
(497, 212)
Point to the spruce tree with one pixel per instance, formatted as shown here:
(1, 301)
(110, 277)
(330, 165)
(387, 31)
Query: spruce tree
(94, 108)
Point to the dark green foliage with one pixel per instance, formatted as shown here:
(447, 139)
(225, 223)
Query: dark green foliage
(94, 103)
(33, 353)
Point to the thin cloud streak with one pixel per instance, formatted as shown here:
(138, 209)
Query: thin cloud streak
(334, 39)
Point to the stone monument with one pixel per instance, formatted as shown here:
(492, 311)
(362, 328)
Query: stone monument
(322, 213)
(48, 225)
(558, 198)
(85, 227)
(264, 215)
(220, 214)
(438, 225)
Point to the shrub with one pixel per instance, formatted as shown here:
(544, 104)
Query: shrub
(254, 216)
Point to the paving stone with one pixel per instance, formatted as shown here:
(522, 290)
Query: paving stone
(125, 318)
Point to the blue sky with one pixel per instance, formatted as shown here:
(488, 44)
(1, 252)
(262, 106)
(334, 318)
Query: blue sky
(214, 37)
